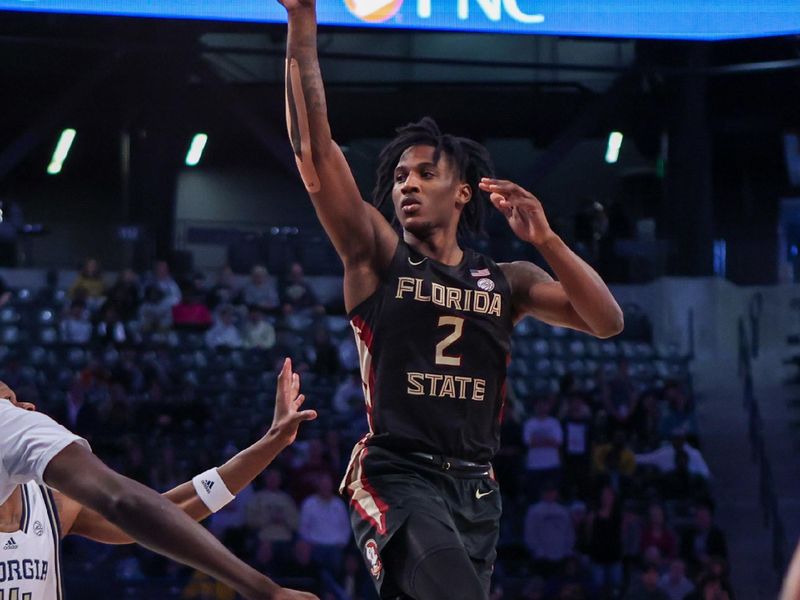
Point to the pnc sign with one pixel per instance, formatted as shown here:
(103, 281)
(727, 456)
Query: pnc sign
(378, 11)
(666, 19)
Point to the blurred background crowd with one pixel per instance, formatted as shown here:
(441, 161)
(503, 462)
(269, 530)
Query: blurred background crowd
(605, 489)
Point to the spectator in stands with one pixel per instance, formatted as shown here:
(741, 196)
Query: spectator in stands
(619, 397)
(578, 439)
(543, 436)
(680, 483)
(190, 313)
(304, 478)
(323, 355)
(273, 513)
(224, 332)
(296, 293)
(50, 293)
(162, 278)
(124, 295)
(77, 413)
(605, 542)
(632, 528)
(302, 570)
(224, 291)
(261, 290)
(355, 580)
(647, 587)
(704, 541)
(571, 583)
(348, 354)
(155, 313)
(664, 458)
(5, 293)
(348, 398)
(325, 524)
(679, 417)
(257, 332)
(615, 460)
(548, 535)
(674, 583)
(711, 587)
(89, 279)
(647, 421)
(75, 327)
(657, 534)
(110, 329)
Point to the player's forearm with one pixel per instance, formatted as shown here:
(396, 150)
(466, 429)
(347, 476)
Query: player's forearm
(156, 523)
(240, 470)
(237, 473)
(301, 46)
(586, 290)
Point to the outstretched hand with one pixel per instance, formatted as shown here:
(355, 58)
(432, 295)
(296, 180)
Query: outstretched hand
(288, 401)
(522, 209)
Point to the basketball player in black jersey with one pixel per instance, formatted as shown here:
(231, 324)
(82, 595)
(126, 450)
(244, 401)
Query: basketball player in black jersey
(433, 322)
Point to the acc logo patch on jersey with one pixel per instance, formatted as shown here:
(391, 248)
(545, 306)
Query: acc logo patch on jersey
(38, 529)
(373, 558)
(487, 285)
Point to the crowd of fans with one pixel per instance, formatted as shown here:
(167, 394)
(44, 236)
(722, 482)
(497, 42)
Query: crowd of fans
(605, 489)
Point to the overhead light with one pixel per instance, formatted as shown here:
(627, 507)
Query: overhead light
(61, 151)
(614, 144)
(196, 149)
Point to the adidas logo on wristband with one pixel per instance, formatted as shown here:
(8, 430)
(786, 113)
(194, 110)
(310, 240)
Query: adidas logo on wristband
(207, 485)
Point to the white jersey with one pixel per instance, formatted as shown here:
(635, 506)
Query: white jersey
(30, 558)
(28, 441)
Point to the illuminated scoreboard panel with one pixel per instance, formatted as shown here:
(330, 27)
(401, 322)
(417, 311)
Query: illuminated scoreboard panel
(677, 19)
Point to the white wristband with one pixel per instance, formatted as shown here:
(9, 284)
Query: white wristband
(212, 490)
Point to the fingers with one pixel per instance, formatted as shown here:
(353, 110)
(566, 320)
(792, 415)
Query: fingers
(306, 415)
(505, 187)
(501, 204)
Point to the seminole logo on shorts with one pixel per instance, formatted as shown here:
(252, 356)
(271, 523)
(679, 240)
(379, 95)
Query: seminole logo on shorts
(373, 558)
(374, 11)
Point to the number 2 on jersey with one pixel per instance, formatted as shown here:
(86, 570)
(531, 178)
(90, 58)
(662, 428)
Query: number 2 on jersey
(457, 323)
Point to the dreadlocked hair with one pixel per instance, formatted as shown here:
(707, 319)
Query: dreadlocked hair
(469, 158)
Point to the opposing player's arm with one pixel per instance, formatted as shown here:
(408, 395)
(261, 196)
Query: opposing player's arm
(150, 519)
(361, 236)
(237, 473)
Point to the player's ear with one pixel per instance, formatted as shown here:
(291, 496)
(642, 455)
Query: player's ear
(464, 193)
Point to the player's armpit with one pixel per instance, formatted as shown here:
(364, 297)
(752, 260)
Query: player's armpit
(534, 293)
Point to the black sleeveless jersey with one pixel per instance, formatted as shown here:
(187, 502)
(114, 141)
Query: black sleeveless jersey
(434, 343)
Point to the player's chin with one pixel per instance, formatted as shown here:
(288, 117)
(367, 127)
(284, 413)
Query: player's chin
(416, 225)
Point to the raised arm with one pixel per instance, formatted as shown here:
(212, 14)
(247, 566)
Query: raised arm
(237, 473)
(96, 502)
(361, 236)
(580, 298)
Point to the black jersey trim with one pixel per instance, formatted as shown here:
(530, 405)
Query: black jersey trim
(25, 519)
(55, 528)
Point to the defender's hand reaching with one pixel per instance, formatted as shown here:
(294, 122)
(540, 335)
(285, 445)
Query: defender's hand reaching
(522, 209)
(288, 401)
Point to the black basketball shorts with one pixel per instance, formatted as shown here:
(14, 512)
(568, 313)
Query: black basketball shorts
(383, 488)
